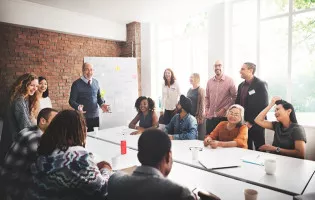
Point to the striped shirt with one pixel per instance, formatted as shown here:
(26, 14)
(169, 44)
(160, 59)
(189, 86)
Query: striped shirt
(219, 94)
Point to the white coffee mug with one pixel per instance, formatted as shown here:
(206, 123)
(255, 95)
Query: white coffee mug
(194, 151)
(270, 166)
(95, 130)
(115, 162)
(250, 194)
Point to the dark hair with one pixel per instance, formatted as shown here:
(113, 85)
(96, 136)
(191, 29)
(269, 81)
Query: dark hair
(45, 113)
(286, 105)
(251, 66)
(153, 145)
(150, 102)
(172, 77)
(67, 129)
(46, 93)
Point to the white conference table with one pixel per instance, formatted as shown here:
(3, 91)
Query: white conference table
(311, 186)
(225, 188)
(291, 177)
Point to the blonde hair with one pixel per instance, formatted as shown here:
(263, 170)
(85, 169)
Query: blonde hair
(196, 77)
(242, 112)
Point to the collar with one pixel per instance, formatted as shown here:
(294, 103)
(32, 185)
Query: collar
(86, 80)
(222, 78)
(250, 81)
(149, 171)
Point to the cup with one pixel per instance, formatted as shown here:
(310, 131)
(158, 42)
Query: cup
(115, 161)
(270, 166)
(95, 130)
(194, 151)
(250, 194)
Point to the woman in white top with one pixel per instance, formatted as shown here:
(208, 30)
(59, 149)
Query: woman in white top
(170, 95)
(44, 100)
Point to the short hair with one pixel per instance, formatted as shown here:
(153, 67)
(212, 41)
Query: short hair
(286, 105)
(173, 78)
(153, 145)
(67, 129)
(84, 64)
(46, 93)
(251, 66)
(150, 102)
(196, 77)
(242, 112)
(45, 113)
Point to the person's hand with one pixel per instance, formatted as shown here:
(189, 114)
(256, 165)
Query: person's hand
(220, 113)
(171, 137)
(135, 132)
(104, 164)
(105, 107)
(267, 147)
(214, 144)
(274, 99)
(199, 121)
(80, 109)
(249, 125)
(207, 141)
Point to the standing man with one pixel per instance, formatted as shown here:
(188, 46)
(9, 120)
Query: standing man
(85, 95)
(253, 96)
(220, 95)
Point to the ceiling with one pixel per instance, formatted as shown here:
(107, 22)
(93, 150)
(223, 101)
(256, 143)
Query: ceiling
(125, 11)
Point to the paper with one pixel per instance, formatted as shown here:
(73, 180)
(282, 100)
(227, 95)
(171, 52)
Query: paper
(129, 170)
(212, 164)
(254, 159)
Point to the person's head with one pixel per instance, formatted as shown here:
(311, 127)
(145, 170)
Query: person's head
(87, 70)
(284, 111)
(45, 116)
(184, 104)
(43, 86)
(67, 129)
(194, 79)
(248, 70)
(144, 104)
(169, 76)
(26, 85)
(235, 115)
(154, 150)
(218, 68)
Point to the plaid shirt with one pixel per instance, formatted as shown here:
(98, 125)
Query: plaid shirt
(15, 173)
(182, 129)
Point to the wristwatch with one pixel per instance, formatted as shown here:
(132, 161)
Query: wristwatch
(278, 149)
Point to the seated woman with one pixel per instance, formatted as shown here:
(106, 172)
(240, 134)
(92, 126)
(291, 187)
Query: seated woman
(64, 169)
(146, 115)
(44, 100)
(231, 133)
(289, 137)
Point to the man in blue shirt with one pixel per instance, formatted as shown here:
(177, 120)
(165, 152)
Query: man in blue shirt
(85, 95)
(183, 126)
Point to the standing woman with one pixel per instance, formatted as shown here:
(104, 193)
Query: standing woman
(170, 95)
(197, 96)
(22, 110)
(44, 100)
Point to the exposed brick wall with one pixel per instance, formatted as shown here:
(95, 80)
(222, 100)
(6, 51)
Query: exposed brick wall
(56, 56)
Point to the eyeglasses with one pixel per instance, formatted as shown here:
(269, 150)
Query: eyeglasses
(234, 114)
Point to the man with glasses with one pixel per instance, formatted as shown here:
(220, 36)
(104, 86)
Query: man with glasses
(220, 95)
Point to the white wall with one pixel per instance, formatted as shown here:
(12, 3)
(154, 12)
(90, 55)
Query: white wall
(44, 17)
(146, 56)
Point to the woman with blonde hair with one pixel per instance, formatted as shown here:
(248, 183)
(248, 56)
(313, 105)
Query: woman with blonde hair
(231, 133)
(22, 110)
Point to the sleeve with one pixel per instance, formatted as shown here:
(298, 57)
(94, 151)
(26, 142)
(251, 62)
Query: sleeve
(242, 137)
(214, 135)
(207, 98)
(169, 128)
(262, 101)
(21, 114)
(238, 96)
(91, 180)
(191, 132)
(233, 93)
(201, 108)
(178, 91)
(74, 96)
(100, 100)
(163, 99)
(298, 133)
(186, 194)
(49, 104)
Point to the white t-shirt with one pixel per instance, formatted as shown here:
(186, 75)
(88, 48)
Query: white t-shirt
(170, 96)
(44, 103)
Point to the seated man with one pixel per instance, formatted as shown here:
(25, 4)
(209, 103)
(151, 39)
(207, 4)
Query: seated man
(183, 126)
(15, 174)
(149, 180)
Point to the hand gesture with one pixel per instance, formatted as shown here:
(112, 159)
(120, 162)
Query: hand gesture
(214, 144)
(207, 141)
(80, 109)
(105, 108)
(274, 99)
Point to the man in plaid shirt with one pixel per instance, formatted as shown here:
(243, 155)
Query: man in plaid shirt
(15, 174)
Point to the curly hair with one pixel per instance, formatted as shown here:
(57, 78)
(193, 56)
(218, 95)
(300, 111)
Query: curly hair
(172, 77)
(46, 93)
(150, 102)
(20, 88)
(67, 129)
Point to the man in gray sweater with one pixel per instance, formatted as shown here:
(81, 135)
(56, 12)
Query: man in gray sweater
(85, 96)
(149, 180)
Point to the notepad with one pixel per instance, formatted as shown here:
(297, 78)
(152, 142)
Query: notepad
(254, 159)
(212, 164)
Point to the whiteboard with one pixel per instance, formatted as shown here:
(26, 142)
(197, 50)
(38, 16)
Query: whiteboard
(118, 81)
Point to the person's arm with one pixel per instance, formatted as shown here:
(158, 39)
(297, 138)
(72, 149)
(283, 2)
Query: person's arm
(191, 133)
(233, 92)
(74, 93)
(21, 114)
(298, 151)
(163, 101)
(155, 120)
(242, 137)
(100, 100)
(169, 128)
(207, 99)
(260, 119)
(201, 108)
(134, 122)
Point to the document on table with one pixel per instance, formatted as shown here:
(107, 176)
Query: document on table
(212, 164)
(254, 159)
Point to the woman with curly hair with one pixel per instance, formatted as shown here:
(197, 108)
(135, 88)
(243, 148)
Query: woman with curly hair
(22, 110)
(44, 100)
(146, 115)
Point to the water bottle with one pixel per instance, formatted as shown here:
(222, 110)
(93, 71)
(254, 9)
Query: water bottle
(123, 144)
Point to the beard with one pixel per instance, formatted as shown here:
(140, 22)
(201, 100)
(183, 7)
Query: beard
(179, 110)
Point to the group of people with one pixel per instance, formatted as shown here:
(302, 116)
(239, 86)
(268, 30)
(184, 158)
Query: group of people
(43, 155)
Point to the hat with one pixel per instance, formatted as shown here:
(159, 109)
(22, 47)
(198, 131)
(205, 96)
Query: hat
(185, 103)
